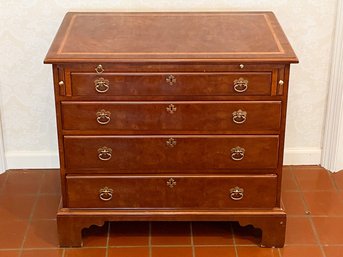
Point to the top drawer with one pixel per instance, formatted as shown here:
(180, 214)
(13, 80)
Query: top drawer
(175, 84)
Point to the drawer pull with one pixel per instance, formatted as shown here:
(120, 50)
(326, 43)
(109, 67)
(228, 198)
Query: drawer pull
(104, 153)
(171, 142)
(171, 109)
(239, 116)
(171, 80)
(99, 69)
(171, 183)
(240, 85)
(105, 194)
(237, 153)
(102, 85)
(103, 117)
(236, 193)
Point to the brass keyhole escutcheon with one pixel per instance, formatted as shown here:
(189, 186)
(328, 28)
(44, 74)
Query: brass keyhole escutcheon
(171, 80)
(171, 142)
(171, 183)
(171, 109)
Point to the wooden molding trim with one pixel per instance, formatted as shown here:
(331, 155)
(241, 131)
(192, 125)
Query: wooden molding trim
(333, 134)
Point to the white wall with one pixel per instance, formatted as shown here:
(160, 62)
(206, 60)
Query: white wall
(28, 27)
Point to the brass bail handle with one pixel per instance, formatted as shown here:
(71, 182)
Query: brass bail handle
(239, 116)
(102, 85)
(236, 193)
(240, 85)
(237, 153)
(103, 117)
(104, 153)
(106, 194)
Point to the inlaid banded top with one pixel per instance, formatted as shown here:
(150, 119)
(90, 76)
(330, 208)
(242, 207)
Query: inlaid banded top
(220, 36)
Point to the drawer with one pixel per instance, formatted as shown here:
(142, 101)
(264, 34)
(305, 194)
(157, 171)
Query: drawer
(172, 152)
(177, 84)
(158, 117)
(173, 192)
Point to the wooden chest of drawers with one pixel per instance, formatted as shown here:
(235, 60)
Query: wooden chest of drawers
(171, 116)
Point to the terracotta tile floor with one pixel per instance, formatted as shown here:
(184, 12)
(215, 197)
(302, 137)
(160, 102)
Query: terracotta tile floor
(313, 199)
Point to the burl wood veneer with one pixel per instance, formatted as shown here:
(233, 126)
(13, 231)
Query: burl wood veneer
(171, 116)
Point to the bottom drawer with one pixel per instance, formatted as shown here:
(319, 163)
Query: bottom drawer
(173, 192)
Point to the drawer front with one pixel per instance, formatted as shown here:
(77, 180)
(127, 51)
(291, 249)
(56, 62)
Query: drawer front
(172, 191)
(159, 84)
(160, 153)
(157, 117)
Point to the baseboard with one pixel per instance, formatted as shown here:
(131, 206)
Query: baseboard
(32, 160)
(302, 156)
(44, 160)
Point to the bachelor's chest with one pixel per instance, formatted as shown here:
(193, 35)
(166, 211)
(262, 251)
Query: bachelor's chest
(171, 116)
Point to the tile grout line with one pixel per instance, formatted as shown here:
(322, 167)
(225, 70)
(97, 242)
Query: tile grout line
(316, 236)
(31, 217)
(294, 179)
(279, 251)
(234, 240)
(192, 239)
(309, 217)
(108, 238)
(307, 210)
(149, 241)
(202, 245)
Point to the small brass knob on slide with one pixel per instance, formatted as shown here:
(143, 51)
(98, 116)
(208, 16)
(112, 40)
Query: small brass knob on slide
(99, 69)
